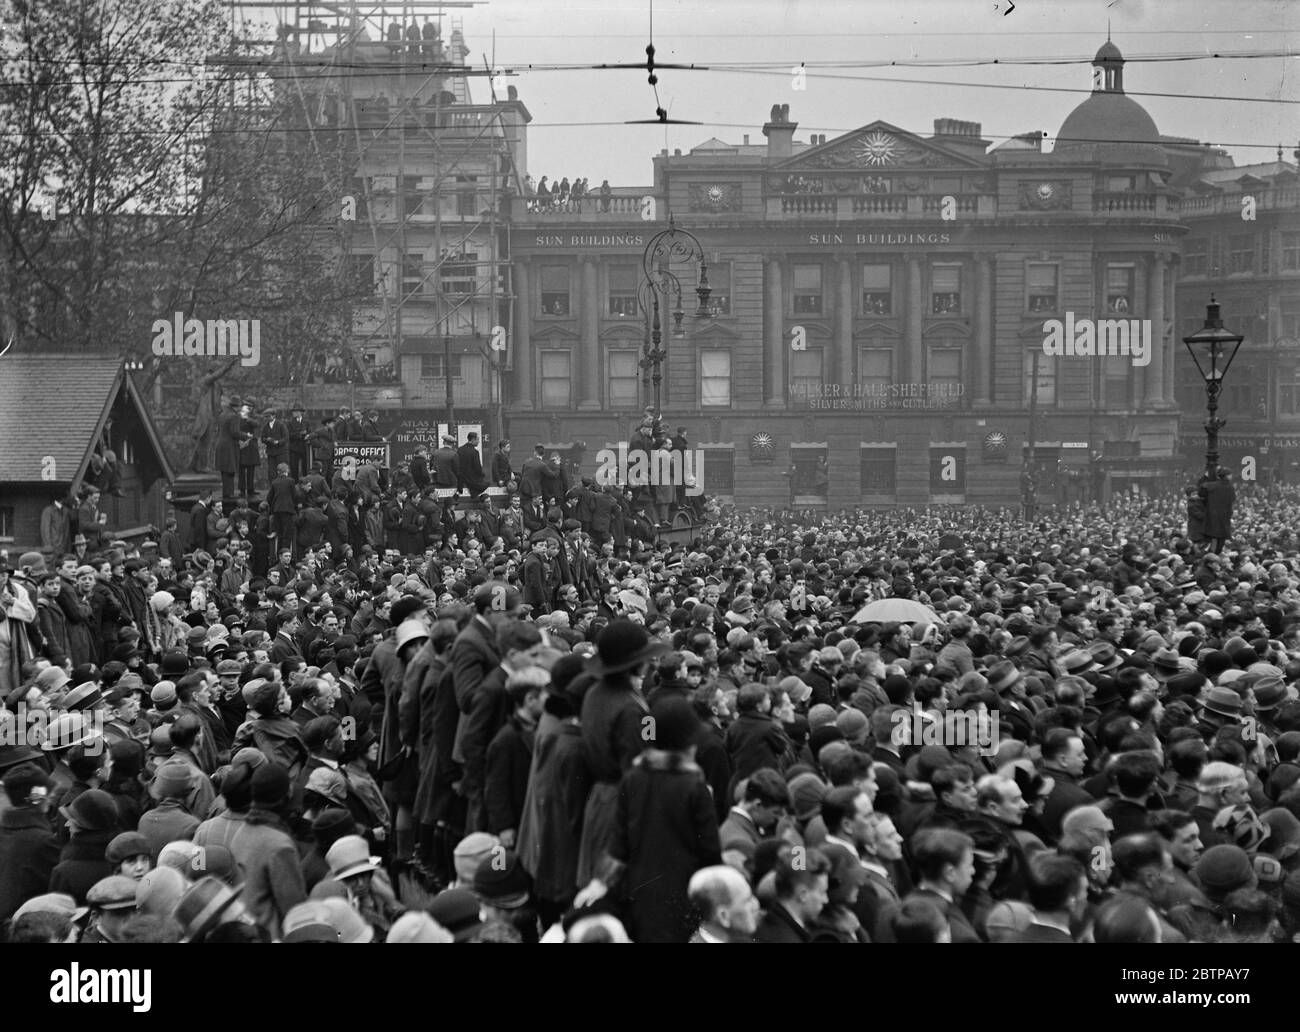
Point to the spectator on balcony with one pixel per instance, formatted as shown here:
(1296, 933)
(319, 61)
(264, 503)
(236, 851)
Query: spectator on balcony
(564, 192)
(469, 466)
(543, 195)
(413, 38)
(605, 193)
(430, 37)
(502, 474)
(394, 43)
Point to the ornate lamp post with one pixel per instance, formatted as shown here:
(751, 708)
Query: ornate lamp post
(1213, 347)
(661, 287)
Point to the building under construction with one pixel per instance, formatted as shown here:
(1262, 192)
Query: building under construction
(418, 148)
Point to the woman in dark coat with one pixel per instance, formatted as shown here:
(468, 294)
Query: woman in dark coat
(1195, 516)
(665, 830)
(93, 822)
(1219, 496)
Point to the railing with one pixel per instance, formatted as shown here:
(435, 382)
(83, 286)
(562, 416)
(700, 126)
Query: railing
(1217, 204)
(807, 204)
(591, 207)
(1111, 202)
(878, 205)
(848, 206)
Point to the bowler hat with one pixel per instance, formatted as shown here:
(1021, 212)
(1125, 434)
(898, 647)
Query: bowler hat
(623, 645)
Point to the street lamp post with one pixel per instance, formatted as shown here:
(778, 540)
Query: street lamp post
(1215, 345)
(662, 287)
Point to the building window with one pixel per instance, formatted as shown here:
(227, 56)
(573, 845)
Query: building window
(1291, 251)
(877, 290)
(719, 471)
(807, 290)
(1196, 256)
(943, 373)
(1118, 372)
(876, 373)
(6, 522)
(1290, 313)
(720, 284)
(947, 470)
(1119, 184)
(806, 373)
(622, 291)
(466, 195)
(556, 379)
(412, 196)
(1119, 288)
(878, 470)
(1042, 288)
(1046, 375)
(361, 273)
(555, 290)
(623, 378)
(945, 290)
(1241, 253)
(811, 473)
(1288, 397)
(459, 274)
(431, 365)
(412, 274)
(715, 378)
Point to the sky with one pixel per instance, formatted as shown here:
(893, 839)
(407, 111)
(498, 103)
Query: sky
(577, 114)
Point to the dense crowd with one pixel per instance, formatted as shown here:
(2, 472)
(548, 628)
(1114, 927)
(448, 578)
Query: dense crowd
(391, 708)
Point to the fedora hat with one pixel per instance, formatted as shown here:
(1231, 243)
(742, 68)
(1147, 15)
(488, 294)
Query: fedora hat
(1003, 675)
(1106, 655)
(1270, 692)
(1076, 661)
(203, 905)
(68, 729)
(623, 645)
(1223, 701)
(1166, 663)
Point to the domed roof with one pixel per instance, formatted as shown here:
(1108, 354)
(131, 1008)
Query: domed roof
(1108, 52)
(1108, 118)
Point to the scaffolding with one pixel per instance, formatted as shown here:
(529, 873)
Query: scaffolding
(393, 97)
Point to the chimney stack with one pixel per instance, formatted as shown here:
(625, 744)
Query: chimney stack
(779, 131)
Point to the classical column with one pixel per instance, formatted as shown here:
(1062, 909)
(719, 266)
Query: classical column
(1171, 357)
(773, 334)
(982, 352)
(523, 344)
(1154, 376)
(589, 391)
(844, 327)
(914, 363)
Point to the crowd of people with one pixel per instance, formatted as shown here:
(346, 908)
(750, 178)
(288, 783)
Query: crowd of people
(566, 196)
(323, 720)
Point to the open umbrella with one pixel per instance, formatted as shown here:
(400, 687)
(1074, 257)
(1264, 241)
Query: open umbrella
(895, 610)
